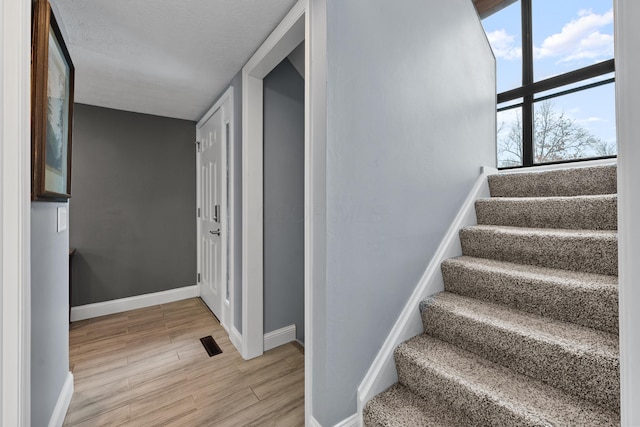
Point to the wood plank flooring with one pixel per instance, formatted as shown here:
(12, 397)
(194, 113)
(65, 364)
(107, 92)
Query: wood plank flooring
(147, 367)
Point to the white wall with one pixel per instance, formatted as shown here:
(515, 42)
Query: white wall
(408, 128)
(627, 57)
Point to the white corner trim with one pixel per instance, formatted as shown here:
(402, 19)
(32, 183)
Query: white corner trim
(352, 421)
(279, 337)
(236, 339)
(627, 62)
(15, 214)
(98, 309)
(62, 405)
(315, 155)
(382, 373)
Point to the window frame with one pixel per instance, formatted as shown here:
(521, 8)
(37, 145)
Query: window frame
(530, 88)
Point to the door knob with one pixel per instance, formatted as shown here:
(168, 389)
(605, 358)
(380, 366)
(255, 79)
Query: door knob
(216, 233)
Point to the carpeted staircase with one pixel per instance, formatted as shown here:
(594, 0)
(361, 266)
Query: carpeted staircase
(526, 331)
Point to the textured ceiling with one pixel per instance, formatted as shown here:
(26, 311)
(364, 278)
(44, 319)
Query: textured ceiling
(165, 57)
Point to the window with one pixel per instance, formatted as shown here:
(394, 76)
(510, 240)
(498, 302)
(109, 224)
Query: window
(555, 80)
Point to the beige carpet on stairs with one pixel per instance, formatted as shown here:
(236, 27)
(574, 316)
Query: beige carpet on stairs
(526, 331)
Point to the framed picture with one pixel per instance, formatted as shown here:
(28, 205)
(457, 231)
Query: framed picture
(52, 77)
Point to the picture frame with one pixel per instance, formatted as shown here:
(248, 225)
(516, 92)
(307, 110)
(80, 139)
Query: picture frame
(52, 88)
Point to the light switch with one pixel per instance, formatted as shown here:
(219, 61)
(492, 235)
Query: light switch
(62, 219)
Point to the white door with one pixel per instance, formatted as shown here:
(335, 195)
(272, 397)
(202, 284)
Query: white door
(212, 229)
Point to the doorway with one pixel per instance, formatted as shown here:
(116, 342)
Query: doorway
(282, 41)
(284, 202)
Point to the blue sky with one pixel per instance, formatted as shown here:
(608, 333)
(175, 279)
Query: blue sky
(567, 35)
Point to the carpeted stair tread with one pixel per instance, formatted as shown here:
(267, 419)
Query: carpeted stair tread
(399, 407)
(591, 251)
(585, 299)
(596, 212)
(566, 182)
(526, 330)
(491, 394)
(579, 360)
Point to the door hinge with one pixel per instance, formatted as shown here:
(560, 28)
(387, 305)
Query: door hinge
(198, 212)
(197, 146)
(198, 277)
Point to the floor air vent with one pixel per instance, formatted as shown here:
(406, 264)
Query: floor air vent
(210, 345)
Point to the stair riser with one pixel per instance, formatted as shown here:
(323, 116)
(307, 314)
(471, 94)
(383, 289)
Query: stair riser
(588, 376)
(483, 408)
(591, 307)
(588, 254)
(398, 406)
(567, 182)
(580, 214)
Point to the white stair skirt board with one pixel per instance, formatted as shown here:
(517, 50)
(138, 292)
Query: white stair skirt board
(382, 373)
(279, 337)
(352, 421)
(98, 309)
(64, 399)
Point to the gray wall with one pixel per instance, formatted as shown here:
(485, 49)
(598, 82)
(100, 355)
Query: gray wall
(410, 121)
(284, 199)
(49, 310)
(133, 206)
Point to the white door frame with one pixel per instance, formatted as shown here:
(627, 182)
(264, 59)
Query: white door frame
(227, 237)
(286, 37)
(15, 213)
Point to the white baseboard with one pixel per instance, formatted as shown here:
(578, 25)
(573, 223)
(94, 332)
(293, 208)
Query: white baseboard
(89, 311)
(236, 339)
(279, 337)
(62, 405)
(382, 373)
(352, 421)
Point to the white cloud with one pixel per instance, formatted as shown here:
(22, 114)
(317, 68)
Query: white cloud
(504, 45)
(579, 39)
(590, 120)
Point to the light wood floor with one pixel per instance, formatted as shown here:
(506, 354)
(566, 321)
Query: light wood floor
(147, 367)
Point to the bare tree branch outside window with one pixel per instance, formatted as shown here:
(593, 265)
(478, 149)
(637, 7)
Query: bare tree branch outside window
(556, 136)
